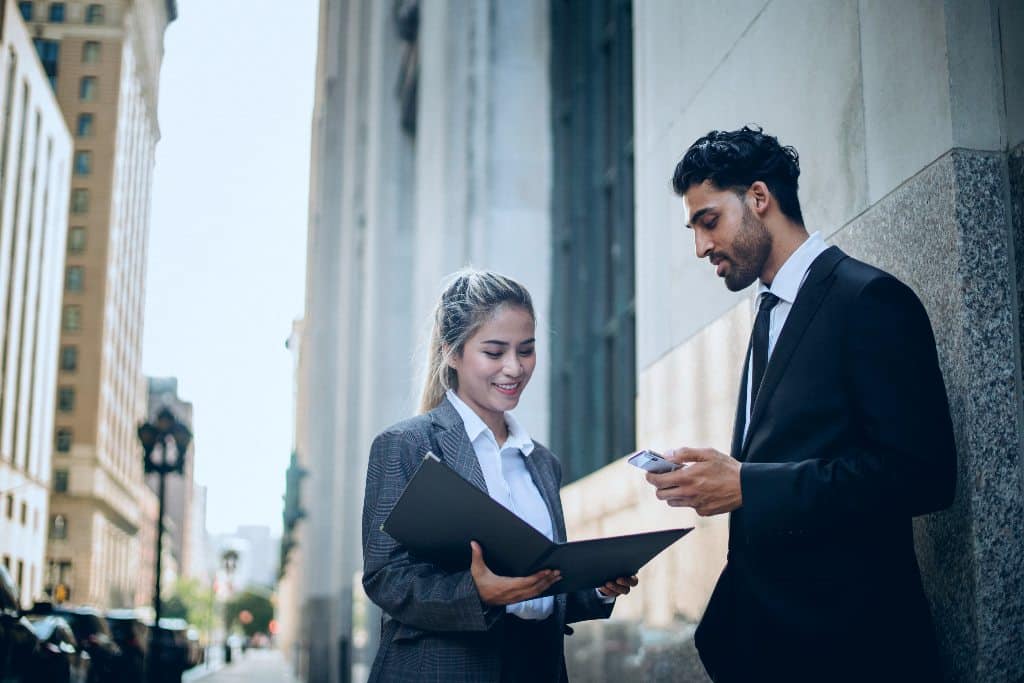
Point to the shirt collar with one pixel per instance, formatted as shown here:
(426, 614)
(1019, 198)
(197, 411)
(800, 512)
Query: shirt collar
(791, 275)
(517, 435)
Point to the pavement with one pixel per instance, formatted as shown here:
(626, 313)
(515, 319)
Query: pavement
(256, 666)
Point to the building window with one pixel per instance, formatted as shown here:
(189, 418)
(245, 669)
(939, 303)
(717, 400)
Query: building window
(24, 513)
(94, 14)
(76, 240)
(83, 163)
(593, 381)
(90, 52)
(58, 527)
(10, 506)
(69, 358)
(66, 399)
(60, 481)
(73, 278)
(84, 127)
(49, 56)
(87, 89)
(63, 440)
(71, 319)
(26, 10)
(57, 12)
(79, 200)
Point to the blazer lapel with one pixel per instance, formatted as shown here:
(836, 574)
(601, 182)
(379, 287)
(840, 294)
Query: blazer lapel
(456, 450)
(549, 492)
(808, 300)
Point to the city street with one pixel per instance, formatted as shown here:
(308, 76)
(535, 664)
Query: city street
(257, 666)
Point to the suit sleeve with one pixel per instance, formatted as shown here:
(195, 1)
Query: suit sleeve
(902, 459)
(415, 593)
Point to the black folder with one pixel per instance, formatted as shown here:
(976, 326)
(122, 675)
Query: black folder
(439, 513)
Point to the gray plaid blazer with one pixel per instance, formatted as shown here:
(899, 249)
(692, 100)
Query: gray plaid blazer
(436, 628)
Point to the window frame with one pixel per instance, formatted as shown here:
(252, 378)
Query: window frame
(92, 52)
(85, 125)
(83, 163)
(62, 431)
(71, 312)
(95, 14)
(66, 399)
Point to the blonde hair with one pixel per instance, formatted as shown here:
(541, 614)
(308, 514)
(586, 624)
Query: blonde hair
(469, 300)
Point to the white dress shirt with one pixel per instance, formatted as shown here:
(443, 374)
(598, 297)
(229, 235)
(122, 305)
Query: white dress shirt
(509, 482)
(786, 286)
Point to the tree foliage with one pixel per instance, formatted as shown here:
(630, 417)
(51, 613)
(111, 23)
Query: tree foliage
(256, 601)
(191, 601)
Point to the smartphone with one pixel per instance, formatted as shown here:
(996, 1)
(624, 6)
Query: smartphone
(652, 462)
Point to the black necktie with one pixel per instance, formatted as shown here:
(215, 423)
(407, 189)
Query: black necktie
(760, 353)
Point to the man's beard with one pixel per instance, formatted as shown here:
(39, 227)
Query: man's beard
(750, 250)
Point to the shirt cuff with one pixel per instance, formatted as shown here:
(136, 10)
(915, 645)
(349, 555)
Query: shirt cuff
(604, 598)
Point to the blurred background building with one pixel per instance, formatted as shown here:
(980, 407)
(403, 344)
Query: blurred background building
(103, 61)
(35, 162)
(538, 138)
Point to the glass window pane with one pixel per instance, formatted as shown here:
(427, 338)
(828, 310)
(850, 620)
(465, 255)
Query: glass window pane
(58, 527)
(73, 278)
(66, 399)
(94, 14)
(72, 318)
(83, 163)
(26, 10)
(60, 481)
(91, 52)
(76, 240)
(84, 128)
(57, 12)
(87, 89)
(79, 201)
(64, 440)
(69, 358)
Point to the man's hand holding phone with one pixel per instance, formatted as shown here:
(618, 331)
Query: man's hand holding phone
(701, 478)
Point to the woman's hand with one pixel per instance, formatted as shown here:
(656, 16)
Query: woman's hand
(619, 586)
(506, 590)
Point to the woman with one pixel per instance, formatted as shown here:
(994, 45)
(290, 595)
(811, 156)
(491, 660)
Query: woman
(472, 625)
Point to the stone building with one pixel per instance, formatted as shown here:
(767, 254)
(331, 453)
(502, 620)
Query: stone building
(103, 60)
(538, 138)
(35, 172)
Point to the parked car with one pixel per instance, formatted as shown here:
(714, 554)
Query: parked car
(170, 646)
(61, 659)
(19, 646)
(132, 635)
(91, 631)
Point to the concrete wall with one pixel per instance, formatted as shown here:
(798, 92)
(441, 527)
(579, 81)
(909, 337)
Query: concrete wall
(903, 114)
(391, 215)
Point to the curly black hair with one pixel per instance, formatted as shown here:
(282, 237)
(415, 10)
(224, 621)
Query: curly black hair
(736, 159)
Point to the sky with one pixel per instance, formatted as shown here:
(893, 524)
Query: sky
(227, 249)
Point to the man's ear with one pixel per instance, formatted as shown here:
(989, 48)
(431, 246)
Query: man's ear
(761, 197)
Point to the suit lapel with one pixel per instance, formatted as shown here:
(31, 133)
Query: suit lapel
(456, 450)
(808, 300)
(549, 492)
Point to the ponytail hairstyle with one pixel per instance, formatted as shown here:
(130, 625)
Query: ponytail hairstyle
(470, 299)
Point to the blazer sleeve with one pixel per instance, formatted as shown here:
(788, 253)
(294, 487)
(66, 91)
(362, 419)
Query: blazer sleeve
(902, 461)
(415, 593)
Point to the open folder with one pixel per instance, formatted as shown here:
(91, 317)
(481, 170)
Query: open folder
(439, 513)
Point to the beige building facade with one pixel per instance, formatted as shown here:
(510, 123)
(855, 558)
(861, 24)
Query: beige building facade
(104, 59)
(35, 163)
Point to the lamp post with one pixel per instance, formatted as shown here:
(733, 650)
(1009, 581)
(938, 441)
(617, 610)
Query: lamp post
(228, 562)
(154, 437)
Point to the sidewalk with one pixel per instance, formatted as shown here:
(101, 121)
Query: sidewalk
(257, 666)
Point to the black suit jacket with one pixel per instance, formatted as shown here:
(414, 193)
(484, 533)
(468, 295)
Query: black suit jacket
(850, 437)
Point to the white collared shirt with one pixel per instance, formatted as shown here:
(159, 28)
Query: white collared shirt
(509, 482)
(786, 286)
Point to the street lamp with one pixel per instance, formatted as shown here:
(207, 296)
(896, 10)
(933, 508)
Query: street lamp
(154, 437)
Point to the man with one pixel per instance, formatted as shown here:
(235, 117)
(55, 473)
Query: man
(842, 435)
